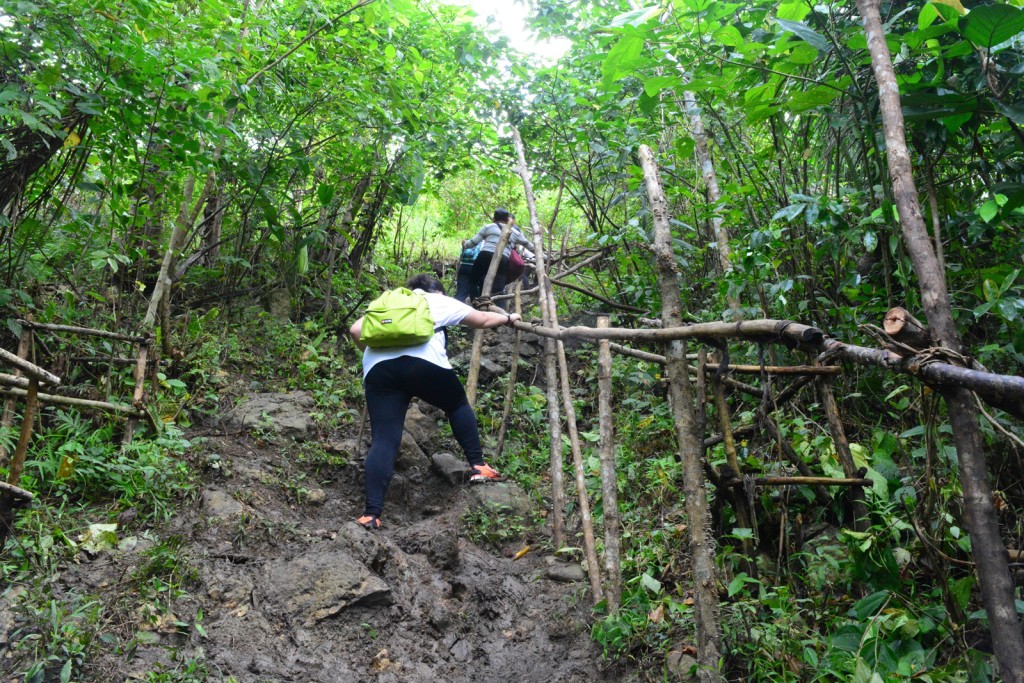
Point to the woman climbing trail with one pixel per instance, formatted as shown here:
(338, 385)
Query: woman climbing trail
(393, 376)
(488, 237)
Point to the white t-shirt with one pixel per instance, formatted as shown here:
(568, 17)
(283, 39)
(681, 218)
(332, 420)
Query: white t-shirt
(446, 311)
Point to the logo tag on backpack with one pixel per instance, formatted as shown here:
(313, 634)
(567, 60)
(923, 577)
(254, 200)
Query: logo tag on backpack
(398, 317)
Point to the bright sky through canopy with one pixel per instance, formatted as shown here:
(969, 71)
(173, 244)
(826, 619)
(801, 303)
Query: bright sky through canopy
(509, 17)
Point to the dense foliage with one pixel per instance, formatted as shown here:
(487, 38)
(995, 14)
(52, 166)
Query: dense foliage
(313, 151)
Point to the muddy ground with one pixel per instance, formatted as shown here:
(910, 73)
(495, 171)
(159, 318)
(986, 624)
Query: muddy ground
(279, 584)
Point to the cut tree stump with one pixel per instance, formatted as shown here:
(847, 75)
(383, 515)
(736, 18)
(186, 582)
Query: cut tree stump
(906, 329)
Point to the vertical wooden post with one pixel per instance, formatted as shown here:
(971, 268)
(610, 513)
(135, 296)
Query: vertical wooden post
(478, 337)
(24, 341)
(512, 375)
(702, 542)
(18, 460)
(139, 391)
(743, 512)
(843, 453)
(586, 521)
(550, 374)
(609, 481)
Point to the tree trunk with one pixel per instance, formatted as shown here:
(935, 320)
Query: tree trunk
(550, 374)
(478, 335)
(702, 543)
(997, 589)
(609, 479)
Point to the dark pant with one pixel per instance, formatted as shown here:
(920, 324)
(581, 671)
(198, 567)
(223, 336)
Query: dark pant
(389, 388)
(464, 286)
(480, 266)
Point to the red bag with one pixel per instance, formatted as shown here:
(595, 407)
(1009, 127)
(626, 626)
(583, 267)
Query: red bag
(516, 266)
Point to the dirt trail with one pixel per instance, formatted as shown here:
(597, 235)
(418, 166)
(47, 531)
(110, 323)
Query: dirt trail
(290, 589)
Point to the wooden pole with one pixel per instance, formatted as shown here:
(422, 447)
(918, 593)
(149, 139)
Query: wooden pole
(8, 418)
(586, 521)
(609, 479)
(998, 592)
(744, 516)
(83, 331)
(71, 401)
(140, 389)
(551, 376)
(702, 542)
(803, 481)
(478, 336)
(512, 375)
(843, 453)
(18, 459)
(30, 369)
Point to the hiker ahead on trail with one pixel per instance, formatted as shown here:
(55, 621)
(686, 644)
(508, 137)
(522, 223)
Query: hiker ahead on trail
(464, 285)
(394, 375)
(488, 237)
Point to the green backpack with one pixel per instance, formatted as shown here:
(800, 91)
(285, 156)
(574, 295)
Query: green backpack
(398, 317)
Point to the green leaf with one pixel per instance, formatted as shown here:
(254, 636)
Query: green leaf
(927, 106)
(147, 637)
(325, 193)
(988, 210)
(655, 84)
(736, 585)
(650, 583)
(793, 11)
(729, 35)
(390, 52)
(815, 96)
(927, 16)
(648, 103)
(1014, 112)
(806, 33)
(622, 58)
(955, 122)
(989, 25)
(788, 213)
(1014, 200)
(960, 589)
(990, 291)
(869, 606)
(635, 18)
(65, 672)
(847, 639)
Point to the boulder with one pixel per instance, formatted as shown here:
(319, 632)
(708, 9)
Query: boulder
(220, 505)
(422, 427)
(320, 584)
(450, 467)
(505, 495)
(682, 666)
(490, 370)
(283, 414)
(410, 455)
(565, 572)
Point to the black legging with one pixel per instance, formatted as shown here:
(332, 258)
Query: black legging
(480, 266)
(389, 387)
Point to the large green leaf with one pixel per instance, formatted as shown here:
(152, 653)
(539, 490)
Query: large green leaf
(924, 106)
(622, 58)
(814, 96)
(806, 33)
(1014, 112)
(655, 84)
(636, 17)
(989, 25)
